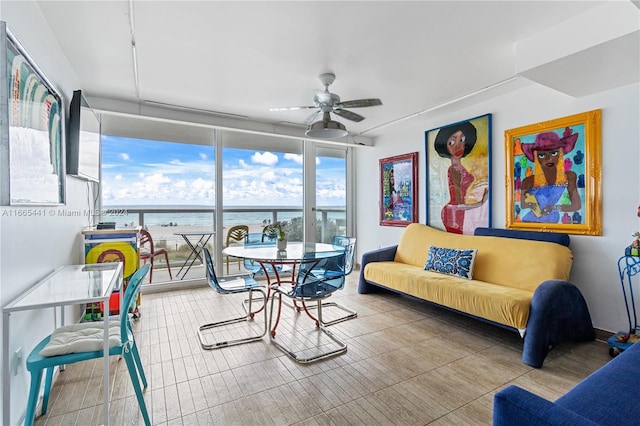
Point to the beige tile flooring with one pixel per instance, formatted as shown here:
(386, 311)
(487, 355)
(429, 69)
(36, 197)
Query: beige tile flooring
(407, 363)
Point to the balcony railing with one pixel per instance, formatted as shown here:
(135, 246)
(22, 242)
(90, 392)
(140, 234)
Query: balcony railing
(166, 223)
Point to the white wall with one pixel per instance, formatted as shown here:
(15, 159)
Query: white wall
(31, 247)
(595, 258)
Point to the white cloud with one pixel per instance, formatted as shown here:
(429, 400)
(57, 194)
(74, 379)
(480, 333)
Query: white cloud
(243, 164)
(124, 156)
(297, 158)
(156, 178)
(267, 158)
(203, 156)
(294, 157)
(201, 184)
(268, 176)
(118, 177)
(178, 167)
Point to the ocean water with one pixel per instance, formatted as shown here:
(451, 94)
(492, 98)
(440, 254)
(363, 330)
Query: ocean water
(122, 217)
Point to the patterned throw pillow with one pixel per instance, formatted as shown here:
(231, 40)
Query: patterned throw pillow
(458, 262)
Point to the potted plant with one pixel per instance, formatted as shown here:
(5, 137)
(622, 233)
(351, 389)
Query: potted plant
(276, 231)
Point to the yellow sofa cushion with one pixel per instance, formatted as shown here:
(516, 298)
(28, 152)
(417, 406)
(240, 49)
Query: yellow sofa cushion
(509, 262)
(501, 304)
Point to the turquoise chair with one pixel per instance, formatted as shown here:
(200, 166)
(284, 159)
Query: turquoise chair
(239, 285)
(126, 348)
(319, 276)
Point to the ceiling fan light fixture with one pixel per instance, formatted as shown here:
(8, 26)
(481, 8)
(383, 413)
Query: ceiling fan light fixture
(326, 129)
(328, 102)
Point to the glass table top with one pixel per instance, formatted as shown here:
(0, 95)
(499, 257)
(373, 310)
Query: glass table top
(295, 251)
(71, 284)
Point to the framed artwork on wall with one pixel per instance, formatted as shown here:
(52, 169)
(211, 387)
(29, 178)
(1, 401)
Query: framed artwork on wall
(554, 175)
(459, 175)
(32, 130)
(399, 190)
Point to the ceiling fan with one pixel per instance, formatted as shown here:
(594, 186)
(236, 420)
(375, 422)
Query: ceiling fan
(326, 103)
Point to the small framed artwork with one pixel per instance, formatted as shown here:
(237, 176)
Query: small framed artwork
(31, 145)
(399, 190)
(554, 175)
(459, 175)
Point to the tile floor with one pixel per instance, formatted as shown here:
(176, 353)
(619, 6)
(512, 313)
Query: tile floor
(407, 363)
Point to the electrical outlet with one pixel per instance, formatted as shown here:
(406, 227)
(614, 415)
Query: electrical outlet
(16, 361)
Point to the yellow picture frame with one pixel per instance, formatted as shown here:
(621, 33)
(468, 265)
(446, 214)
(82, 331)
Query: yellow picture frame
(554, 175)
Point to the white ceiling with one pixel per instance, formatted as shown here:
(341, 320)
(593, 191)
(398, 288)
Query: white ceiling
(245, 57)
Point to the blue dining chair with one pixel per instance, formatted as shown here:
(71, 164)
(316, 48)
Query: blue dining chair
(125, 347)
(260, 239)
(319, 276)
(347, 244)
(257, 239)
(239, 285)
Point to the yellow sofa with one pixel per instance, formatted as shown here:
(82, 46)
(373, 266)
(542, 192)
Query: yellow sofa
(520, 281)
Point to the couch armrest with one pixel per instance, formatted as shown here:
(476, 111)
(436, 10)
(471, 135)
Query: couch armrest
(385, 254)
(516, 406)
(558, 313)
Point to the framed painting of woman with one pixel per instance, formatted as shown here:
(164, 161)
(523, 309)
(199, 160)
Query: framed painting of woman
(399, 190)
(554, 175)
(459, 175)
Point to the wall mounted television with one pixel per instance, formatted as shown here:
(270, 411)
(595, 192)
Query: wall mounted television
(83, 139)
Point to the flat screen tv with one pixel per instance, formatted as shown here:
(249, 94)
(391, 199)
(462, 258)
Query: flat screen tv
(83, 139)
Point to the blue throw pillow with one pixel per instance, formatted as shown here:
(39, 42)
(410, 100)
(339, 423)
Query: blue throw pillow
(458, 262)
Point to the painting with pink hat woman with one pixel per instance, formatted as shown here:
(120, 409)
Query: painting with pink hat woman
(550, 189)
(554, 175)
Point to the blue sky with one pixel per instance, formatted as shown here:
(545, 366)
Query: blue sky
(144, 172)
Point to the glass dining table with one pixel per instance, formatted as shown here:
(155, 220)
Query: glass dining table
(273, 261)
(278, 262)
(269, 255)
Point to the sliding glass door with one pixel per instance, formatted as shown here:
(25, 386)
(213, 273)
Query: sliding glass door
(330, 192)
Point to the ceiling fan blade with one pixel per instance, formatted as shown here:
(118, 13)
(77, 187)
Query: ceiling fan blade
(348, 115)
(359, 103)
(292, 108)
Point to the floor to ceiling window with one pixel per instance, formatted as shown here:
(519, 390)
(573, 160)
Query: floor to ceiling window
(262, 183)
(177, 178)
(166, 188)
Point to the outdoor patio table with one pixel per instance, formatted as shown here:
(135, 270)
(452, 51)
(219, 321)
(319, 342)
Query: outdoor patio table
(190, 237)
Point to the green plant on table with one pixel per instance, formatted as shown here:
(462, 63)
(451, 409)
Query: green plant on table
(276, 230)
